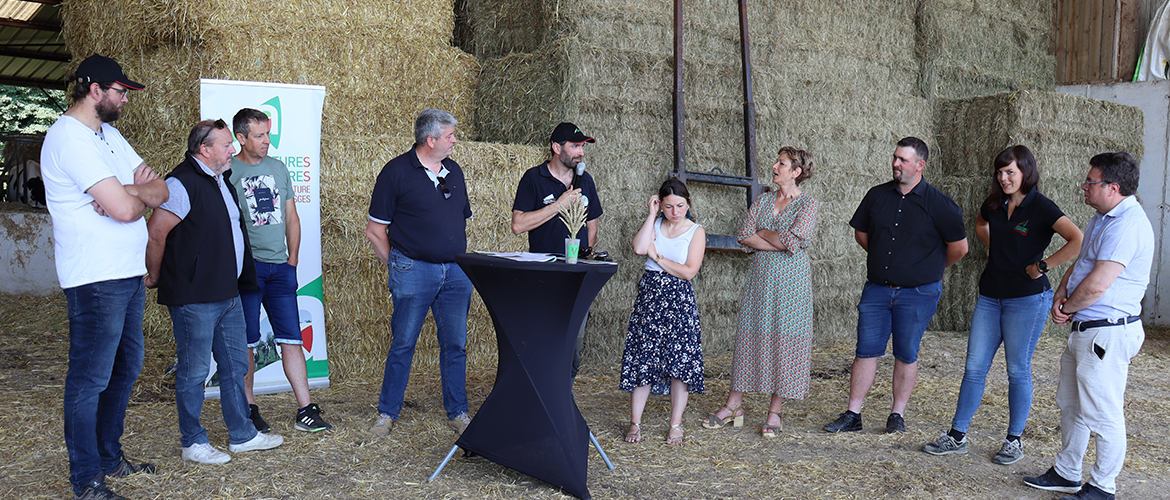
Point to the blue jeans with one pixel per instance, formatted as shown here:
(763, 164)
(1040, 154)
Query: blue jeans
(415, 287)
(105, 357)
(278, 293)
(901, 312)
(1017, 324)
(204, 330)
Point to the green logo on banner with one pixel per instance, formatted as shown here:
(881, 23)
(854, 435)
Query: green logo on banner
(275, 117)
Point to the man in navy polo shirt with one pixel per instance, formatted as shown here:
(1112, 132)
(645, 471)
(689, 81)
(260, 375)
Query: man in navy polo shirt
(542, 191)
(417, 223)
(925, 227)
(1101, 297)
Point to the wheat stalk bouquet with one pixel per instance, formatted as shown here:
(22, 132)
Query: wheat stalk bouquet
(572, 213)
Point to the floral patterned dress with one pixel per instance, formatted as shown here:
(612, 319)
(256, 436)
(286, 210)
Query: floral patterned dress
(663, 341)
(774, 337)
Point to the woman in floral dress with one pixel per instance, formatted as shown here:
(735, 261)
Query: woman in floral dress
(774, 336)
(664, 352)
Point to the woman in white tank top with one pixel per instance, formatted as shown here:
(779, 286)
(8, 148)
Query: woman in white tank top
(664, 351)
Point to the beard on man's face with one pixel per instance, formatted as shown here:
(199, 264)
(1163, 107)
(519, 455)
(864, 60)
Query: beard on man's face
(108, 111)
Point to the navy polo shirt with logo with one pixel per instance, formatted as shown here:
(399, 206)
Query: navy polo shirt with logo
(423, 224)
(539, 188)
(907, 233)
(1017, 243)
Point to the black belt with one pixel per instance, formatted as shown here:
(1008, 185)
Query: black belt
(1080, 326)
(897, 287)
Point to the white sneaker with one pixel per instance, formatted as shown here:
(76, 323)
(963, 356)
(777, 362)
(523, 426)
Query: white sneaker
(262, 441)
(205, 454)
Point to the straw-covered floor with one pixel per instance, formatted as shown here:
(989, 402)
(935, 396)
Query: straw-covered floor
(348, 463)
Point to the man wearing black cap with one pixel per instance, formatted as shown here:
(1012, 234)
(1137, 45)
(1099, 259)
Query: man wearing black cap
(97, 188)
(542, 191)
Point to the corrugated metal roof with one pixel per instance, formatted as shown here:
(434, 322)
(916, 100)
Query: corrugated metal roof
(32, 50)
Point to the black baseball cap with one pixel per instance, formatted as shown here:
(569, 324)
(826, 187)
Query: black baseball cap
(567, 132)
(99, 68)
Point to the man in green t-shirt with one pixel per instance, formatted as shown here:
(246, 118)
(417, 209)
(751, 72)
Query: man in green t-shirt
(274, 230)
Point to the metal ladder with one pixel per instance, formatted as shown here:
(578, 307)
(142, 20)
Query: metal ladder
(717, 175)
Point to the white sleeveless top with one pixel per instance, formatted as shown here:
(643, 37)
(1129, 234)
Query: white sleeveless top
(670, 248)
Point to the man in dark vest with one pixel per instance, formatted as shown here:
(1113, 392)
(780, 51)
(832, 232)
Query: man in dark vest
(198, 257)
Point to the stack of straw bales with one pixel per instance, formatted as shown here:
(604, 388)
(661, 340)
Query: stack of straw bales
(380, 63)
(838, 78)
(845, 98)
(1062, 130)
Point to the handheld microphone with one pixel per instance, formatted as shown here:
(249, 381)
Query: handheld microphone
(577, 175)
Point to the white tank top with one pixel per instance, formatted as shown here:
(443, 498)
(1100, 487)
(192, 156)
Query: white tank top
(670, 248)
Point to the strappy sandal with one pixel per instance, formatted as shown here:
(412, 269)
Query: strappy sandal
(771, 431)
(714, 422)
(635, 434)
(673, 439)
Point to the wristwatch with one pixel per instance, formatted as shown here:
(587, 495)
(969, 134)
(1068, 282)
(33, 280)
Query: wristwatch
(1042, 267)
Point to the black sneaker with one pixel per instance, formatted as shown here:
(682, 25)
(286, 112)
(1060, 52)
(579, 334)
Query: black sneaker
(895, 424)
(1089, 492)
(1052, 481)
(846, 422)
(309, 419)
(97, 490)
(125, 468)
(257, 420)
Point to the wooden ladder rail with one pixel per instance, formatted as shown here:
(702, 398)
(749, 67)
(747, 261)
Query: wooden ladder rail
(716, 175)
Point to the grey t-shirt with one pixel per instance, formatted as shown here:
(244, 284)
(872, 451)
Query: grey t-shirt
(263, 191)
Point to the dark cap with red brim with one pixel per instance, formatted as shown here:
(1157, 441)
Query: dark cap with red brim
(101, 69)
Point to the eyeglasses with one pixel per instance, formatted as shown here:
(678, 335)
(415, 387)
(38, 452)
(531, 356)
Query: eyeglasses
(1090, 183)
(216, 125)
(121, 92)
(443, 184)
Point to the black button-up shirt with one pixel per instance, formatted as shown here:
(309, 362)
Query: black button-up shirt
(907, 233)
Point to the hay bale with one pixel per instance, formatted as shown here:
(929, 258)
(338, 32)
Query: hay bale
(1062, 130)
(171, 45)
(970, 48)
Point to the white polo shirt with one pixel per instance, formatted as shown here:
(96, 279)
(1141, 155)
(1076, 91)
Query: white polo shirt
(1124, 235)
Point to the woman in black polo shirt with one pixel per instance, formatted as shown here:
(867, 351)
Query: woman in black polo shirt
(1016, 223)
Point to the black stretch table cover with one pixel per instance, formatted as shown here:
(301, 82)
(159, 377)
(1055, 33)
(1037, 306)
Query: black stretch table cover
(530, 422)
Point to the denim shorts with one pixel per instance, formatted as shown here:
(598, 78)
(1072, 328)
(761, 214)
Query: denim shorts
(902, 313)
(278, 294)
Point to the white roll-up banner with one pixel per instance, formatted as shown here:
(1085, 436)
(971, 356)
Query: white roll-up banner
(294, 112)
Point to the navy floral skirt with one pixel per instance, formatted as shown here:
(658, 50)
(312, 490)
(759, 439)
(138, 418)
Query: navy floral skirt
(663, 339)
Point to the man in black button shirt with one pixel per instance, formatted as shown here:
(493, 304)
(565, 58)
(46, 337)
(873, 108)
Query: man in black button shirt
(911, 232)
